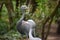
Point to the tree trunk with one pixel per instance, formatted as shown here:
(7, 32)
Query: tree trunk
(53, 13)
(58, 21)
(1, 4)
(58, 29)
(17, 4)
(34, 5)
(10, 9)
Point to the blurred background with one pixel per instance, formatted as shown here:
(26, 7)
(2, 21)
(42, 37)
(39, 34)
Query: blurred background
(46, 14)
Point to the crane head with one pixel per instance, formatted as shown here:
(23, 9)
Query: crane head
(25, 9)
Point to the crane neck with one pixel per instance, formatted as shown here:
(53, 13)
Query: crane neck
(22, 17)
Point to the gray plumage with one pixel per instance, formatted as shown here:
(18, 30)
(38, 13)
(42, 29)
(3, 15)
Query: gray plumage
(23, 27)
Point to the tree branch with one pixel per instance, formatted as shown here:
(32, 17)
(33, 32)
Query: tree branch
(47, 19)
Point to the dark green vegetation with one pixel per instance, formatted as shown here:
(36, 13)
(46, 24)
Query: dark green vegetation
(41, 11)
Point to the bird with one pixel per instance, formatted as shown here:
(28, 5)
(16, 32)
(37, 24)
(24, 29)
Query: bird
(23, 26)
(31, 36)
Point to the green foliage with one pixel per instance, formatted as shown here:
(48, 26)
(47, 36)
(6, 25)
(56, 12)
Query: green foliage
(58, 11)
(43, 7)
(3, 27)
